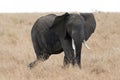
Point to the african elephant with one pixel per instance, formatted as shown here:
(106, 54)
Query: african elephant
(53, 34)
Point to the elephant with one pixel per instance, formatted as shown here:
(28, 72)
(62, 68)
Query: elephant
(52, 34)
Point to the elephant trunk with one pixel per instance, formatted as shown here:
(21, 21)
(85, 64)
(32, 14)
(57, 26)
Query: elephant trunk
(86, 44)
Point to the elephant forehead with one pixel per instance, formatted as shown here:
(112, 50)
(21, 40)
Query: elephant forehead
(75, 25)
(75, 21)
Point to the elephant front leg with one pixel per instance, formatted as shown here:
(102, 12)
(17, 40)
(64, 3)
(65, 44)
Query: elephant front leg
(69, 58)
(68, 51)
(66, 62)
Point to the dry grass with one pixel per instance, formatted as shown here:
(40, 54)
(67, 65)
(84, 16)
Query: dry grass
(102, 62)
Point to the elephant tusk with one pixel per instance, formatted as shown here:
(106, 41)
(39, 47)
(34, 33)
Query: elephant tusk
(73, 44)
(86, 44)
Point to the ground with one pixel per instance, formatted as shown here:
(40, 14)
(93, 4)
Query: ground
(101, 62)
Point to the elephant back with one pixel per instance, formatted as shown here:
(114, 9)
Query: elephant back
(44, 22)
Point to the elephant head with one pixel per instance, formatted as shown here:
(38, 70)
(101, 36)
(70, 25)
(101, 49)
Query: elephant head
(89, 25)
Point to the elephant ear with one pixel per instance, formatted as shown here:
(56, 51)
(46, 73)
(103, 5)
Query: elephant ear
(58, 26)
(90, 24)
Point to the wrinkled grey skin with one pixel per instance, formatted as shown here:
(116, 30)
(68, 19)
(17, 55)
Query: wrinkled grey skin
(52, 34)
(45, 42)
(90, 24)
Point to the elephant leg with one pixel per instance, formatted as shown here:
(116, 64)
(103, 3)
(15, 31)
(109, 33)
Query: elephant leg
(66, 62)
(68, 51)
(40, 54)
(78, 54)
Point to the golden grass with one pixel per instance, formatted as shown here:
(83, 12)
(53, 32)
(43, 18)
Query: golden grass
(102, 62)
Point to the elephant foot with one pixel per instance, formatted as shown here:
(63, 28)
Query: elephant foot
(40, 59)
(65, 67)
(33, 64)
(79, 66)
